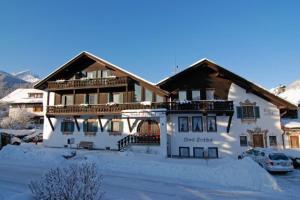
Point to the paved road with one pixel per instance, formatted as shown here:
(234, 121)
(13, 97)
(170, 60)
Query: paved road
(14, 179)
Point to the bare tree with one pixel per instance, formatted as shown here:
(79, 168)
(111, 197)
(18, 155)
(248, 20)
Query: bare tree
(75, 182)
(16, 120)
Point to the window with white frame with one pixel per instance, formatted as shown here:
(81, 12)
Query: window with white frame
(210, 94)
(182, 95)
(91, 74)
(211, 123)
(196, 95)
(197, 124)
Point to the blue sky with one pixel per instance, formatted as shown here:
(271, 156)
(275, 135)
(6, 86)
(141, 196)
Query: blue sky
(259, 40)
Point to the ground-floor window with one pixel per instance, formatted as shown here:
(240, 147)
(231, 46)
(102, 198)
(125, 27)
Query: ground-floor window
(115, 126)
(67, 126)
(198, 152)
(184, 151)
(183, 124)
(211, 123)
(212, 152)
(90, 126)
(243, 141)
(273, 141)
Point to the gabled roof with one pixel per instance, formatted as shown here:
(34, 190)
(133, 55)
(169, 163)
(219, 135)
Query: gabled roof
(96, 58)
(21, 95)
(242, 82)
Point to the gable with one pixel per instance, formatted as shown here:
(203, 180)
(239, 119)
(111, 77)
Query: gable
(220, 79)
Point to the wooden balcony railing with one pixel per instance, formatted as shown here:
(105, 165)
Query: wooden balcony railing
(138, 139)
(100, 109)
(88, 83)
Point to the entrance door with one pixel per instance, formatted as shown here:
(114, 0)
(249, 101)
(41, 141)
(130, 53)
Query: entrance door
(294, 141)
(148, 127)
(258, 140)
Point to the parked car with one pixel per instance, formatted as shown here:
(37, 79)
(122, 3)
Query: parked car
(270, 160)
(296, 161)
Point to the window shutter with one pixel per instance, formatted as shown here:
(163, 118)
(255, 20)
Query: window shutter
(85, 125)
(121, 126)
(109, 128)
(62, 126)
(239, 112)
(257, 114)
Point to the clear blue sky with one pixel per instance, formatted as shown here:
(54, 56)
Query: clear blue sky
(259, 40)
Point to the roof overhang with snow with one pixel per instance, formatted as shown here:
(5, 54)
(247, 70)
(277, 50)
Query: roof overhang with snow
(43, 83)
(242, 82)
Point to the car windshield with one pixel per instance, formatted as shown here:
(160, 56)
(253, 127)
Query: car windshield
(278, 157)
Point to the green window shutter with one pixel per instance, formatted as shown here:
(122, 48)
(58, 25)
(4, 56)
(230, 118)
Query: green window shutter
(109, 128)
(239, 112)
(62, 126)
(257, 114)
(85, 126)
(121, 126)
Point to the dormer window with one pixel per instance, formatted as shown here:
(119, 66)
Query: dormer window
(107, 73)
(148, 95)
(182, 95)
(92, 74)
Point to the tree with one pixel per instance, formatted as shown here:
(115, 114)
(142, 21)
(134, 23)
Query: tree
(16, 120)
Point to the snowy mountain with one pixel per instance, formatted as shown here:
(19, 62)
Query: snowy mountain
(27, 76)
(9, 83)
(290, 93)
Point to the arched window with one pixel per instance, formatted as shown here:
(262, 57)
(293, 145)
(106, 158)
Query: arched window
(148, 127)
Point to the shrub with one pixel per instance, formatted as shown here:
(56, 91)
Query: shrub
(76, 181)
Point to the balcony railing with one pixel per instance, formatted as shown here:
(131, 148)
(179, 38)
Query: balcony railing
(138, 140)
(100, 109)
(88, 83)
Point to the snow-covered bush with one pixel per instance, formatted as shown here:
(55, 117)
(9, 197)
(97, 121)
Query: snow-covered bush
(18, 120)
(76, 181)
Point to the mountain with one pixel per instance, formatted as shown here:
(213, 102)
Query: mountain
(290, 93)
(27, 76)
(9, 83)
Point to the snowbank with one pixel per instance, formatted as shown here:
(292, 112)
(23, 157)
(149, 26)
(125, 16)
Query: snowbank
(218, 172)
(295, 153)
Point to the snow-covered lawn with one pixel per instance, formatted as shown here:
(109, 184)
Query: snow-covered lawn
(135, 176)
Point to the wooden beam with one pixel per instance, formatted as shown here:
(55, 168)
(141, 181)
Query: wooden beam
(101, 125)
(48, 99)
(50, 122)
(229, 123)
(77, 125)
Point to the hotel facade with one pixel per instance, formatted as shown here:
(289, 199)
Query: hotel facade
(204, 111)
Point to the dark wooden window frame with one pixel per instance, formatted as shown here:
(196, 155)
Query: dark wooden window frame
(184, 148)
(69, 131)
(213, 148)
(194, 155)
(273, 136)
(185, 131)
(216, 128)
(201, 128)
(243, 144)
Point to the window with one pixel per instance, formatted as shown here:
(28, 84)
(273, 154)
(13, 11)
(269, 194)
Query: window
(91, 99)
(197, 124)
(115, 126)
(137, 93)
(243, 141)
(196, 95)
(67, 100)
(37, 108)
(212, 152)
(210, 94)
(182, 95)
(35, 95)
(115, 98)
(67, 126)
(159, 98)
(248, 112)
(92, 74)
(211, 123)
(148, 95)
(184, 152)
(273, 141)
(198, 152)
(90, 126)
(183, 124)
(107, 73)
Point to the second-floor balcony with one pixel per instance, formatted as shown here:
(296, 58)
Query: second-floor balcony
(218, 107)
(88, 83)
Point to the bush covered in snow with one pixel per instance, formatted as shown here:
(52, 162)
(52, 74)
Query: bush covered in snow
(77, 181)
(18, 120)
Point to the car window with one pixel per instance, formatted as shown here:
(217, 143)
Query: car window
(278, 156)
(249, 151)
(255, 152)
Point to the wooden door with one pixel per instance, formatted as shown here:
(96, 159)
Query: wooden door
(294, 141)
(258, 140)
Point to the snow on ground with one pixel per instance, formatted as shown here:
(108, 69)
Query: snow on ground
(135, 176)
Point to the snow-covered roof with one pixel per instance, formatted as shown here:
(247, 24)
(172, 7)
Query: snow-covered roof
(291, 95)
(21, 95)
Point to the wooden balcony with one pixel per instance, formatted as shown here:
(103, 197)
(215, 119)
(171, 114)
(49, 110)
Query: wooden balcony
(218, 107)
(87, 83)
